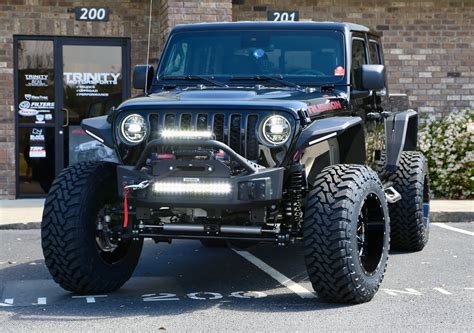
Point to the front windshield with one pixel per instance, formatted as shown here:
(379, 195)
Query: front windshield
(300, 56)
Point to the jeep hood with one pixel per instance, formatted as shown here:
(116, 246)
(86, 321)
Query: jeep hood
(289, 100)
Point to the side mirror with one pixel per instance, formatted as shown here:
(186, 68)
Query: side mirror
(373, 77)
(143, 76)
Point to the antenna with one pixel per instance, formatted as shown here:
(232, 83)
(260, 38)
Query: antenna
(148, 49)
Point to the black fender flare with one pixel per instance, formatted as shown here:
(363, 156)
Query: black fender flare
(100, 129)
(348, 131)
(322, 129)
(401, 132)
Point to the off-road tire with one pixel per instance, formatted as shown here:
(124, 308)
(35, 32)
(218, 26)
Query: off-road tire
(68, 231)
(330, 227)
(409, 217)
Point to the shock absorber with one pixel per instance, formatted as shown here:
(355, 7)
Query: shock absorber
(295, 192)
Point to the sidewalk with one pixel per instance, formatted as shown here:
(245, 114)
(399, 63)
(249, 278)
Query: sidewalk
(21, 213)
(26, 213)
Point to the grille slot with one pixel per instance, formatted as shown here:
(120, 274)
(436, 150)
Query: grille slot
(185, 121)
(218, 127)
(234, 136)
(170, 120)
(252, 141)
(202, 120)
(154, 126)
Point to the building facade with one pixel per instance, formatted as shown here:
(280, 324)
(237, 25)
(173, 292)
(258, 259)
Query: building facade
(65, 60)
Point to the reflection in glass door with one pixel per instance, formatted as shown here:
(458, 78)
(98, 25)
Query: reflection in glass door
(92, 85)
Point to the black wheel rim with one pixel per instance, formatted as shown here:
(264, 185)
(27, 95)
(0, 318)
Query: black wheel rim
(371, 234)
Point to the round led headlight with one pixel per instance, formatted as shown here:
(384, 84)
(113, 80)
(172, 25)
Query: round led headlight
(276, 130)
(134, 128)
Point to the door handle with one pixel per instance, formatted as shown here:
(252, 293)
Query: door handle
(66, 111)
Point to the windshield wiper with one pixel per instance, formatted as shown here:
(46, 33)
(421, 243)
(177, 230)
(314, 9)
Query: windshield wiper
(196, 78)
(276, 78)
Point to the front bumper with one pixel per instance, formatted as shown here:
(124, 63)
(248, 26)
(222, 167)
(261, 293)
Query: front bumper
(199, 183)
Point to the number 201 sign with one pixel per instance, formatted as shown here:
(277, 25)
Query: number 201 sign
(92, 14)
(283, 16)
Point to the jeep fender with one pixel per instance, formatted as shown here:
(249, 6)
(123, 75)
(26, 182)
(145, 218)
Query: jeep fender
(401, 132)
(330, 141)
(100, 129)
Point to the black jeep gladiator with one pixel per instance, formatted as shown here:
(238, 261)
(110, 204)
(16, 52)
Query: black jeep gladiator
(249, 132)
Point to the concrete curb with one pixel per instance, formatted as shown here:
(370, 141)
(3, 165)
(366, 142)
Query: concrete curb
(21, 226)
(453, 217)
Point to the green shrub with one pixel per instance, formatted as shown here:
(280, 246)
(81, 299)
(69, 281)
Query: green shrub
(448, 145)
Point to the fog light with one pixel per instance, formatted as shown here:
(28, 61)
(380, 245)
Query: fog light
(192, 188)
(182, 134)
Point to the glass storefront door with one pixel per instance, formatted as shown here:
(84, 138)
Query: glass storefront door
(92, 85)
(58, 83)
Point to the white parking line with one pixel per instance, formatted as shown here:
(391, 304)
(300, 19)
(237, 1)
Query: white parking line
(442, 291)
(282, 279)
(41, 301)
(407, 291)
(7, 302)
(448, 227)
(89, 299)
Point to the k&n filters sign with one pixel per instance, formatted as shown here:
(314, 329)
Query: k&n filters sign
(91, 84)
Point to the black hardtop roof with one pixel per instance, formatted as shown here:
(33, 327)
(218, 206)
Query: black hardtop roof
(250, 25)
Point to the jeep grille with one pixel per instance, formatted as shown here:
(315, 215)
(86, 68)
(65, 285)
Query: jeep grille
(237, 130)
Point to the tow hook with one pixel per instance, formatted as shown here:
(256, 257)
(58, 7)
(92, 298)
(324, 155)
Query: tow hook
(392, 195)
(126, 190)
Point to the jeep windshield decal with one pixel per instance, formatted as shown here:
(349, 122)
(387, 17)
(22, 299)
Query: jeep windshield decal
(300, 57)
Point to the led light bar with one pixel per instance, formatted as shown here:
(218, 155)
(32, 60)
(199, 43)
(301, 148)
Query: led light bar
(182, 134)
(192, 188)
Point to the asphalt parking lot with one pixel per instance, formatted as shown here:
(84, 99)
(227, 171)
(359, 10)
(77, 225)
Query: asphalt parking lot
(184, 287)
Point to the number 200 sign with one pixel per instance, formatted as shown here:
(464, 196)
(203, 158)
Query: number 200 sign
(92, 14)
(283, 16)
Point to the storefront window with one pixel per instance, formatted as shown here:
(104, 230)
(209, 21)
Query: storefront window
(36, 159)
(35, 82)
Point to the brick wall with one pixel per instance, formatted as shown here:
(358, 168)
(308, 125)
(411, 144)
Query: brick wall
(429, 45)
(54, 17)
(175, 12)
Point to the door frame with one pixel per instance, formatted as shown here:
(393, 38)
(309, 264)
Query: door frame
(58, 42)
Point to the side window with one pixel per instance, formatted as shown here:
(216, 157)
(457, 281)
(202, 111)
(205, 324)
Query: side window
(359, 58)
(374, 50)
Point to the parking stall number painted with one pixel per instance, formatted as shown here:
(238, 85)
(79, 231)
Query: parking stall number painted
(159, 297)
(202, 296)
(214, 296)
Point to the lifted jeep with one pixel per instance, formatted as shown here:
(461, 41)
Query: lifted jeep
(249, 132)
